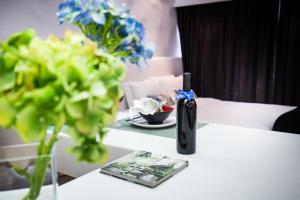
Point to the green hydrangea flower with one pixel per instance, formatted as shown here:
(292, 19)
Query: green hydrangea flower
(57, 82)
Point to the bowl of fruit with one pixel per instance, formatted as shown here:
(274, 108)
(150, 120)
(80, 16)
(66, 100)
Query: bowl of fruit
(159, 116)
(153, 111)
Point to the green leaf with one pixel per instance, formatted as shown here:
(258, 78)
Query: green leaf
(120, 71)
(104, 69)
(21, 38)
(7, 81)
(77, 152)
(76, 109)
(43, 96)
(103, 154)
(90, 150)
(59, 120)
(104, 103)
(102, 133)
(88, 125)
(115, 91)
(9, 59)
(98, 89)
(61, 104)
(93, 154)
(7, 113)
(30, 123)
(80, 96)
(75, 135)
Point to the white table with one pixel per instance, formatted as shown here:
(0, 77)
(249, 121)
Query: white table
(230, 163)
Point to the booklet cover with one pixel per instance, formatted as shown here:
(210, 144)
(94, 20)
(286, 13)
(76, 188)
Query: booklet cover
(144, 168)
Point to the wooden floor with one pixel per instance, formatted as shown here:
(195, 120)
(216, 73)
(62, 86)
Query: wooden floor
(63, 178)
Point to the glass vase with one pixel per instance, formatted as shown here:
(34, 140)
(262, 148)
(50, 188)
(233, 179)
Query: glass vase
(19, 163)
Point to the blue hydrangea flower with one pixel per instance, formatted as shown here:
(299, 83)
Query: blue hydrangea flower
(110, 26)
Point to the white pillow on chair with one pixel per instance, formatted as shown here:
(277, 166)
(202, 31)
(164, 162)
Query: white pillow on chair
(145, 88)
(128, 98)
(172, 85)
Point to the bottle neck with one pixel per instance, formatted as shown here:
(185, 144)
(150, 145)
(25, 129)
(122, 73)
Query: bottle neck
(187, 82)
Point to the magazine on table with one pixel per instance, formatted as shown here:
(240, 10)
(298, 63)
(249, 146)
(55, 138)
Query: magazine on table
(144, 168)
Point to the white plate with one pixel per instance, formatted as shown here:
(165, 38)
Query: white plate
(143, 123)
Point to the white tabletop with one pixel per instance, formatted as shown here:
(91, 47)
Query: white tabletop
(230, 163)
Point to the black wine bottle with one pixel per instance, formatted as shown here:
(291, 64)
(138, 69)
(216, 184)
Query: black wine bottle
(186, 120)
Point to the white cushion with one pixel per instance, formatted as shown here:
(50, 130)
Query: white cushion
(171, 85)
(127, 93)
(144, 88)
(252, 115)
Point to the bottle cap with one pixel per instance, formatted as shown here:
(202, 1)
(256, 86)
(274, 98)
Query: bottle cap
(187, 81)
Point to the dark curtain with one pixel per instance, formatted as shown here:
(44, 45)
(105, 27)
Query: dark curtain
(287, 71)
(230, 49)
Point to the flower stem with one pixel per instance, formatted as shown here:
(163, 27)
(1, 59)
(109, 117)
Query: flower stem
(41, 165)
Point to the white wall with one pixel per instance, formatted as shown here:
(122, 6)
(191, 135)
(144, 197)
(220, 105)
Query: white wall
(160, 20)
(158, 16)
(17, 15)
